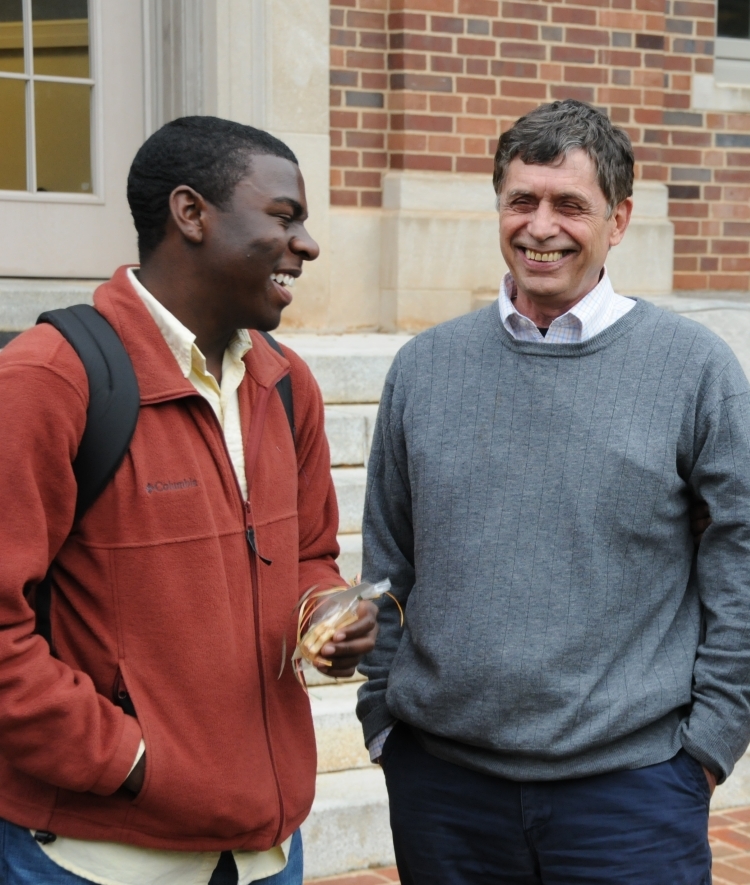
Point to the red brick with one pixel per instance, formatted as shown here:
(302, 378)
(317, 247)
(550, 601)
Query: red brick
(590, 38)
(742, 282)
(620, 58)
(365, 139)
(677, 63)
(620, 115)
(515, 30)
(739, 194)
(514, 69)
(487, 8)
(343, 119)
(421, 82)
(535, 11)
(372, 40)
(373, 160)
(687, 209)
(578, 54)
(475, 86)
(685, 263)
(447, 25)
(693, 10)
(408, 61)
(465, 46)
(738, 159)
(736, 265)
(421, 42)
(474, 164)
(711, 192)
(444, 144)
(406, 21)
(690, 247)
(621, 21)
(374, 61)
(730, 247)
(586, 75)
(362, 179)
(505, 107)
(446, 64)
(426, 161)
(374, 121)
(573, 16)
(690, 281)
(340, 37)
(375, 82)
(422, 123)
(477, 105)
(344, 158)
(372, 21)
(446, 104)
(343, 198)
(677, 155)
(726, 176)
(686, 228)
(650, 5)
(735, 229)
(581, 93)
(477, 125)
(523, 89)
(427, 5)
(709, 263)
(678, 101)
(522, 50)
(478, 67)
(406, 141)
(693, 139)
(611, 95)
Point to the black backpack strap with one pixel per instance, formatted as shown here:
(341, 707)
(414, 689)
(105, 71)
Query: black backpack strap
(284, 386)
(114, 403)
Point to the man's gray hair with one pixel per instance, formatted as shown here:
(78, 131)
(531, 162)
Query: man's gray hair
(548, 133)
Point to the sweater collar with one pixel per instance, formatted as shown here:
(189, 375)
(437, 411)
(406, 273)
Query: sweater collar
(159, 374)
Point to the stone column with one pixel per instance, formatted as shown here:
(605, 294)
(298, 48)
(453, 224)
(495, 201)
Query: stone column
(270, 70)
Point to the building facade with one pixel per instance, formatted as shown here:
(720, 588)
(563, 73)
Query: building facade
(397, 155)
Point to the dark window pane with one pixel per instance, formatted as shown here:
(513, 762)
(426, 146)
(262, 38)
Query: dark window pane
(734, 19)
(46, 9)
(63, 137)
(11, 36)
(13, 135)
(61, 37)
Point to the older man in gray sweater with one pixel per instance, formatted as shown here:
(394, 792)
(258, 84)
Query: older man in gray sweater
(571, 681)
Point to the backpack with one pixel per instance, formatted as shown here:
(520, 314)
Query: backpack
(112, 414)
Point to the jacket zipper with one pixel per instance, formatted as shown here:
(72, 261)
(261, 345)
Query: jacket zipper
(253, 447)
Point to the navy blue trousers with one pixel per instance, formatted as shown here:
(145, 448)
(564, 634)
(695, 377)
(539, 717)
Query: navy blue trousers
(454, 826)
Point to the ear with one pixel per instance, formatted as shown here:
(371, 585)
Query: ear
(620, 220)
(188, 211)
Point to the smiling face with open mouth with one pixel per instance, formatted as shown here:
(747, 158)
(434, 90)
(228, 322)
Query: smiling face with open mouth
(555, 231)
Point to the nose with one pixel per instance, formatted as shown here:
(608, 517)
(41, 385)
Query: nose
(304, 245)
(543, 223)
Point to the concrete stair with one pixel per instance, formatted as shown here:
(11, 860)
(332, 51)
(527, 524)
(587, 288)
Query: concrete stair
(348, 827)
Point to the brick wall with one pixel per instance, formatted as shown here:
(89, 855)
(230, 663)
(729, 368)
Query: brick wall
(431, 84)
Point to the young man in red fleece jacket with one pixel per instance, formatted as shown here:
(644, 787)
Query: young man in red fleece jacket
(160, 605)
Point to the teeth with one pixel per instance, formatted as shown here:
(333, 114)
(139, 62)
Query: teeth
(543, 256)
(283, 279)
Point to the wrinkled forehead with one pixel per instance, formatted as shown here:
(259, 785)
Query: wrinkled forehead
(572, 171)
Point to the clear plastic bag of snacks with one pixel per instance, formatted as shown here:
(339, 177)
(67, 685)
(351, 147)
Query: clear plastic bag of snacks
(323, 613)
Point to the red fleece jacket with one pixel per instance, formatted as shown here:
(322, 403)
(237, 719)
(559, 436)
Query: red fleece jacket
(157, 592)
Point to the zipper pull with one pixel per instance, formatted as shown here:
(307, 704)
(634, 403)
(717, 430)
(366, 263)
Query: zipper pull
(250, 534)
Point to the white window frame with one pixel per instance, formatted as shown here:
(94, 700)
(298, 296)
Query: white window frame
(94, 82)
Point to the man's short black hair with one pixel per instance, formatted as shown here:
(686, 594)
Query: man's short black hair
(209, 154)
(548, 133)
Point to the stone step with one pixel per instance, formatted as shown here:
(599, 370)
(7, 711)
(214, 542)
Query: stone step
(348, 827)
(337, 730)
(349, 430)
(350, 558)
(350, 490)
(349, 368)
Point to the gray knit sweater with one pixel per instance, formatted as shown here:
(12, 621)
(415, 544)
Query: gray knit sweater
(529, 503)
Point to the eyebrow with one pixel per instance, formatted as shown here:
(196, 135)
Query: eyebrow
(566, 195)
(299, 211)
